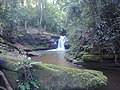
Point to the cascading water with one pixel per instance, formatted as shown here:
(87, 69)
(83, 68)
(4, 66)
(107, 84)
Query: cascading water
(61, 43)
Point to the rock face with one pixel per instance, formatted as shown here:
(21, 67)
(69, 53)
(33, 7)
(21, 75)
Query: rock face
(52, 77)
(38, 41)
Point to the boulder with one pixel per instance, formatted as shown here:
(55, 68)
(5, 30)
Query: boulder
(52, 77)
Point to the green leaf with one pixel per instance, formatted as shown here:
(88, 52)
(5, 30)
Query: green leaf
(21, 86)
(27, 86)
(34, 83)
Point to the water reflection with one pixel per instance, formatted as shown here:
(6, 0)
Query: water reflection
(54, 57)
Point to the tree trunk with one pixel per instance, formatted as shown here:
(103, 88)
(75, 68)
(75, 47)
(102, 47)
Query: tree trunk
(25, 24)
(7, 85)
(41, 13)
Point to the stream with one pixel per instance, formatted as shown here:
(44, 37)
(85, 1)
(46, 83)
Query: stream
(57, 58)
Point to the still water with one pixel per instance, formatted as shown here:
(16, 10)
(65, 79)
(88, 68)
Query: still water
(57, 58)
(53, 57)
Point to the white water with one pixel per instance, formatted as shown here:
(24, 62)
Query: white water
(61, 43)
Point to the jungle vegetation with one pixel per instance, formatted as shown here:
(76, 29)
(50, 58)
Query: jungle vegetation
(90, 24)
(92, 28)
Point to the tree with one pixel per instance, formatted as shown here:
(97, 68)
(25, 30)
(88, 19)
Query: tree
(99, 24)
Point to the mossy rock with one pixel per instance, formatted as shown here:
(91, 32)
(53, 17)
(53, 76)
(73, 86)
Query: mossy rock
(88, 58)
(53, 77)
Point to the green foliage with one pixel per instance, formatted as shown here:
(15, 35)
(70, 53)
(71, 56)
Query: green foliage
(86, 10)
(27, 80)
(2, 25)
(107, 34)
(1, 8)
(88, 58)
(99, 25)
(30, 85)
(82, 53)
(55, 18)
(31, 14)
(1, 40)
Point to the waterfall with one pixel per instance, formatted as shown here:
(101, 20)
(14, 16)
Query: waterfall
(61, 43)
